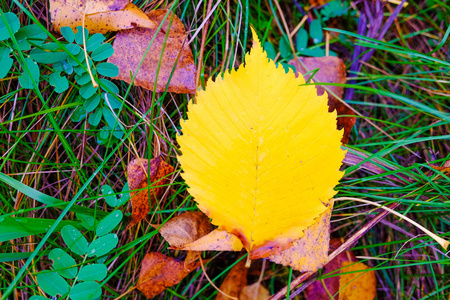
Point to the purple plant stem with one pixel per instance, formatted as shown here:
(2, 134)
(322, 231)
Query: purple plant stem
(371, 33)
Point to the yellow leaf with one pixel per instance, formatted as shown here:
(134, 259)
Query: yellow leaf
(261, 154)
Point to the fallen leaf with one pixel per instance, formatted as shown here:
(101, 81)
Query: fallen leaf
(185, 228)
(254, 292)
(159, 272)
(217, 240)
(130, 46)
(261, 154)
(101, 16)
(235, 281)
(310, 252)
(358, 285)
(332, 69)
(137, 180)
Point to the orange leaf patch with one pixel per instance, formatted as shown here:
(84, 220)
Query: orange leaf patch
(359, 285)
(130, 46)
(159, 272)
(101, 16)
(137, 180)
(332, 70)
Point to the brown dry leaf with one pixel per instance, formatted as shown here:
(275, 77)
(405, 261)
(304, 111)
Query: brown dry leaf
(358, 285)
(254, 292)
(137, 179)
(130, 46)
(217, 240)
(235, 281)
(101, 15)
(310, 252)
(185, 228)
(159, 272)
(332, 69)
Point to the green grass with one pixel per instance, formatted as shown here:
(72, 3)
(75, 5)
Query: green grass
(53, 167)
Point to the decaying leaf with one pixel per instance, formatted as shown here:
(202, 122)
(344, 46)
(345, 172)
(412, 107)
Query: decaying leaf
(101, 16)
(159, 272)
(254, 292)
(235, 281)
(130, 46)
(310, 252)
(331, 69)
(261, 154)
(186, 228)
(359, 285)
(137, 180)
(329, 287)
(217, 240)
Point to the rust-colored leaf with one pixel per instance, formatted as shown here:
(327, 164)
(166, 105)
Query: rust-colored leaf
(217, 240)
(332, 70)
(159, 272)
(235, 281)
(100, 15)
(358, 285)
(130, 46)
(310, 252)
(137, 180)
(254, 292)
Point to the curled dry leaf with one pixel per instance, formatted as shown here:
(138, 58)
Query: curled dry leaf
(159, 272)
(254, 292)
(310, 252)
(131, 45)
(332, 69)
(235, 281)
(137, 179)
(185, 228)
(261, 154)
(217, 240)
(101, 16)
